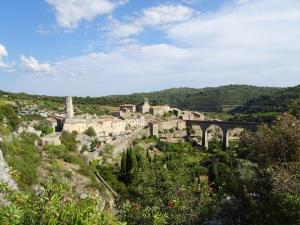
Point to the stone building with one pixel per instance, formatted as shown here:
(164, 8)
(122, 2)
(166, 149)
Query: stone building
(128, 108)
(189, 115)
(159, 110)
(158, 126)
(144, 107)
(103, 127)
(125, 118)
(51, 139)
(134, 121)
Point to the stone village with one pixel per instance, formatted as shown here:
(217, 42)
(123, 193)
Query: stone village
(131, 122)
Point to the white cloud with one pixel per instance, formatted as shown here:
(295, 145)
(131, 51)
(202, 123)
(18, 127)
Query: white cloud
(3, 53)
(70, 12)
(5, 66)
(258, 24)
(157, 17)
(33, 65)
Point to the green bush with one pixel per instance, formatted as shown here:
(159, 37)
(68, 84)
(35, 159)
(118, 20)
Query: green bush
(90, 132)
(69, 140)
(8, 113)
(44, 128)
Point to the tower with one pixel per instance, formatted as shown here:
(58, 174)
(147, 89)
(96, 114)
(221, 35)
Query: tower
(69, 108)
(146, 101)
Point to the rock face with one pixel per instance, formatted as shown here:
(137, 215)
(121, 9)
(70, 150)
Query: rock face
(5, 177)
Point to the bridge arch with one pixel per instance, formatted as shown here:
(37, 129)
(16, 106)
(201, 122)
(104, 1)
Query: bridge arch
(225, 127)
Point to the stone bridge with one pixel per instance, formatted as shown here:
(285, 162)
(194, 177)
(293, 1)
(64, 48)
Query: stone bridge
(225, 127)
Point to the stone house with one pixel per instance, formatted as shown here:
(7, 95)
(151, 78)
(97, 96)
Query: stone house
(134, 121)
(128, 108)
(159, 110)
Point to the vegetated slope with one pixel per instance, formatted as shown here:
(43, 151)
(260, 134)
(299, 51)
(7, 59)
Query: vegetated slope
(277, 102)
(204, 99)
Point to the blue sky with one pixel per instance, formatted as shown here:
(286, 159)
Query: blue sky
(102, 47)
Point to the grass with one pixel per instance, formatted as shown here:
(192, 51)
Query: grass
(5, 102)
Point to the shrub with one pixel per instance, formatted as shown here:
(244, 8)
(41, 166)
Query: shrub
(44, 128)
(69, 140)
(8, 113)
(90, 132)
(55, 203)
(23, 156)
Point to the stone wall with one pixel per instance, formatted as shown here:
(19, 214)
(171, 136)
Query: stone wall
(122, 143)
(104, 127)
(172, 124)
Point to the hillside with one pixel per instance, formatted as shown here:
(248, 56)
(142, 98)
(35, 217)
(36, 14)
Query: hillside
(278, 102)
(214, 99)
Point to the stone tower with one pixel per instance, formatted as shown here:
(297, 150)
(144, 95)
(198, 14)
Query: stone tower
(69, 108)
(146, 101)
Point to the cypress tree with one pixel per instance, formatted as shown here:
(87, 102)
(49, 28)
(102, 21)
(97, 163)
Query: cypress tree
(213, 173)
(148, 157)
(123, 164)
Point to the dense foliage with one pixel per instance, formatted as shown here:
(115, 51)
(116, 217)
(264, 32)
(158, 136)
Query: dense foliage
(54, 203)
(164, 189)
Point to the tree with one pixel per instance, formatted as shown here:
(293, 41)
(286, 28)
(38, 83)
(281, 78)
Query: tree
(93, 144)
(278, 143)
(123, 164)
(164, 195)
(266, 190)
(148, 156)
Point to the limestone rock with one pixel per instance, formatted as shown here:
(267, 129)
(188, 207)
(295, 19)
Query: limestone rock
(5, 177)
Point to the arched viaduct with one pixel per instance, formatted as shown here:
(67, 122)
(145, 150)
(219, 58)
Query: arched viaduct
(225, 127)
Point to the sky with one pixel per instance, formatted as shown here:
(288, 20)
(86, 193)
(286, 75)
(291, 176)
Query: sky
(104, 47)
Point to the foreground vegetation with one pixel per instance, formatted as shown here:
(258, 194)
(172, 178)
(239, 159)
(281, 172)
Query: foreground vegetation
(54, 203)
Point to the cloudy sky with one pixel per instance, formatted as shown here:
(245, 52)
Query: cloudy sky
(102, 47)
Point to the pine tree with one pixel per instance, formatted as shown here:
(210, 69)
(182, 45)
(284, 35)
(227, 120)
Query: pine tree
(130, 163)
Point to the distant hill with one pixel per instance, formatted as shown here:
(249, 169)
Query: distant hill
(215, 99)
(277, 102)
(205, 99)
